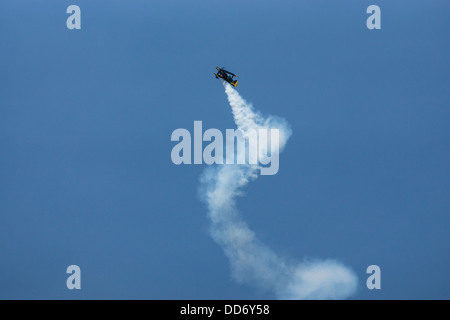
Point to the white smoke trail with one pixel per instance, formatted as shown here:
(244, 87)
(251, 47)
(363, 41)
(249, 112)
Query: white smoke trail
(251, 261)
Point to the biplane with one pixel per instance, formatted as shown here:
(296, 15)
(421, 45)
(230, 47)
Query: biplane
(227, 76)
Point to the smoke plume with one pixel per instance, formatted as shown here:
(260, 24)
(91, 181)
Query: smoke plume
(251, 261)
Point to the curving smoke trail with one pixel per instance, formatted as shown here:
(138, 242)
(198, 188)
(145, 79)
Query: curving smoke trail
(251, 261)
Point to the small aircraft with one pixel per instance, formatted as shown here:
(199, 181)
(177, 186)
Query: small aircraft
(227, 76)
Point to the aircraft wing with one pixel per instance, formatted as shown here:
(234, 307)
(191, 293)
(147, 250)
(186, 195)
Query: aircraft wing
(230, 73)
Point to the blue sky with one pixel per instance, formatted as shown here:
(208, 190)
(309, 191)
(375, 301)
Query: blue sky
(86, 117)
